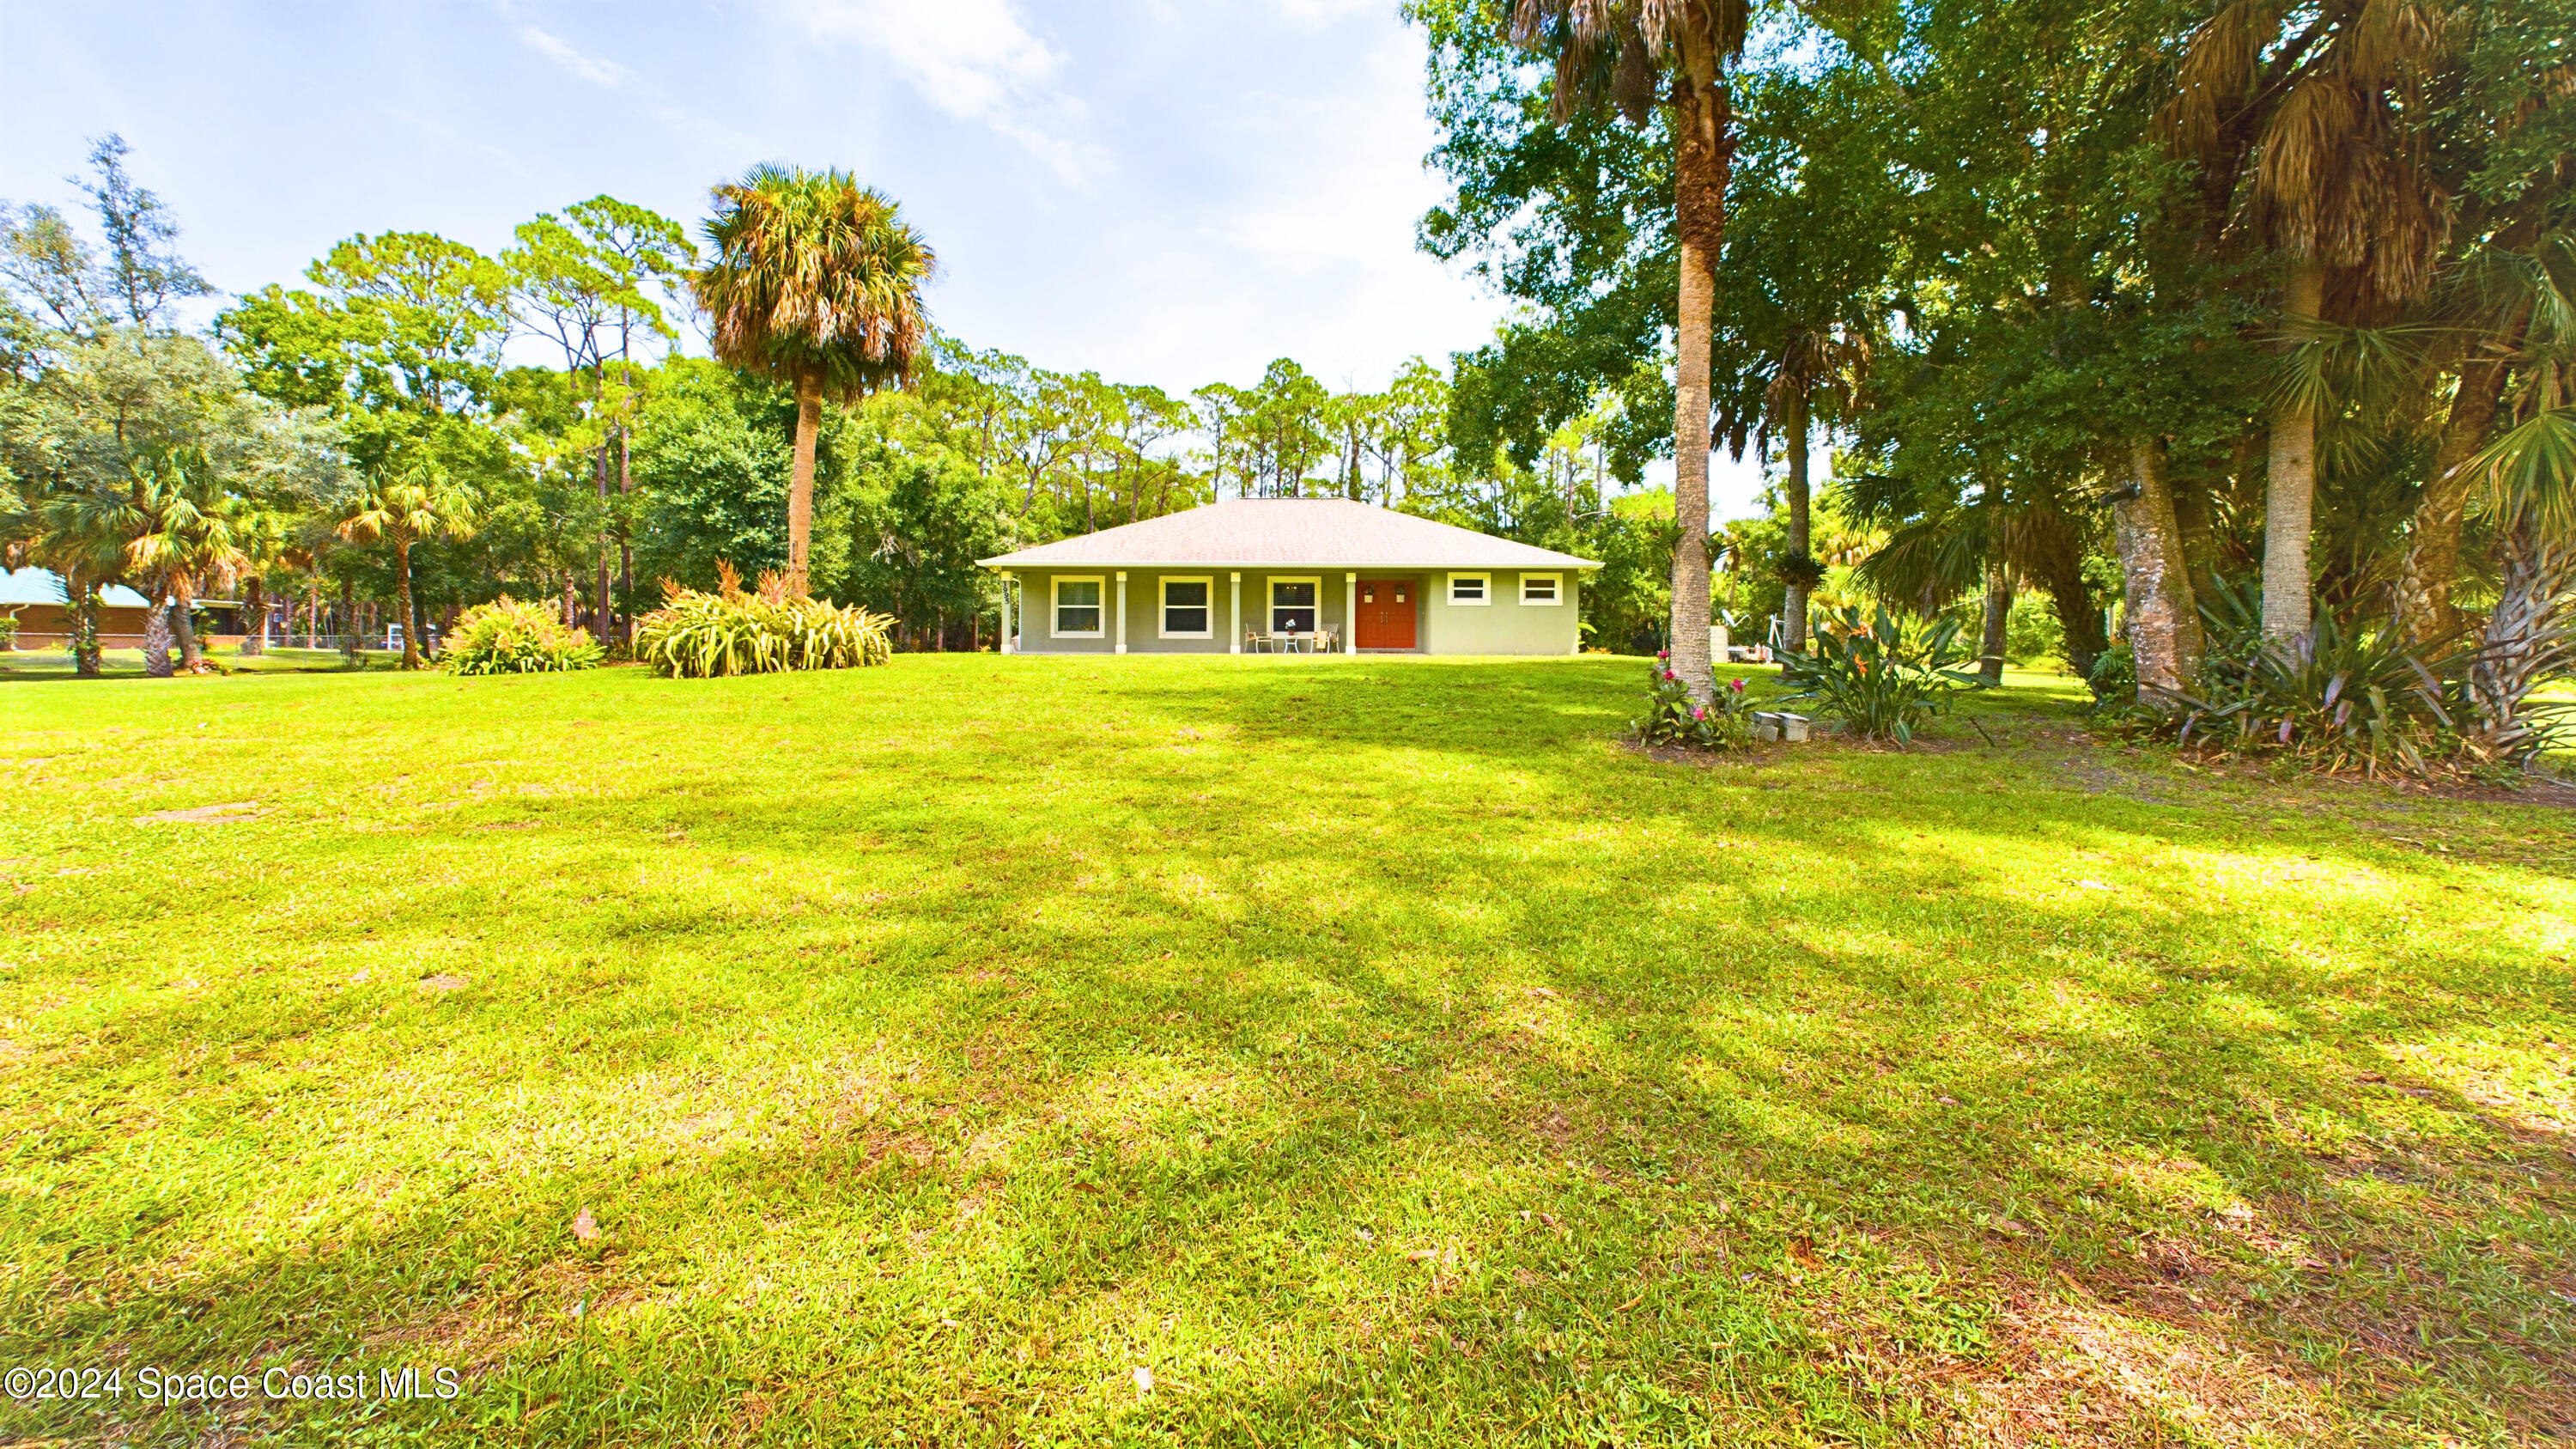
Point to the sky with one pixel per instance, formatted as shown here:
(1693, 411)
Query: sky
(1163, 191)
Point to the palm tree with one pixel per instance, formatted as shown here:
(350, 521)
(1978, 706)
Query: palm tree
(1618, 52)
(816, 282)
(183, 538)
(80, 534)
(1826, 365)
(421, 504)
(2341, 191)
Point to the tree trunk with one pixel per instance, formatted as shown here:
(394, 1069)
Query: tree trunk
(2525, 643)
(349, 622)
(1702, 154)
(183, 623)
(2163, 617)
(2432, 567)
(85, 652)
(156, 636)
(1793, 605)
(800, 487)
(603, 606)
(2290, 490)
(402, 597)
(571, 601)
(1999, 601)
(625, 538)
(254, 617)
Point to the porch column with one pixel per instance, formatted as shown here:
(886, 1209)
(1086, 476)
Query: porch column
(1002, 645)
(1234, 641)
(1350, 613)
(1122, 612)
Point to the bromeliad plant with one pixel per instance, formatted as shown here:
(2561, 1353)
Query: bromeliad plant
(1672, 717)
(1876, 678)
(2342, 697)
(508, 637)
(701, 635)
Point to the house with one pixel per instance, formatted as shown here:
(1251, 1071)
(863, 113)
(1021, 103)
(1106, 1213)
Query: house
(43, 608)
(1263, 573)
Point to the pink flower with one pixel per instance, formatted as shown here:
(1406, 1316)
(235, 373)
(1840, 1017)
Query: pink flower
(1736, 684)
(1668, 674)
(1699, 711)
(1663, 654)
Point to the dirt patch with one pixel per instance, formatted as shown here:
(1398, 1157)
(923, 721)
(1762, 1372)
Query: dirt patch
(205, 814)
(442, 983)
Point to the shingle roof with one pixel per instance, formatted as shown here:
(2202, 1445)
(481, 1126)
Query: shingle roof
(40, 586)
(1281, 532)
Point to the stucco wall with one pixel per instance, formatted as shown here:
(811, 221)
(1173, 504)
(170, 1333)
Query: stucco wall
(1504, 625)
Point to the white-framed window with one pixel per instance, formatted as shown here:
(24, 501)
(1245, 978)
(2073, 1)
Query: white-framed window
(1471, 588)
(1078, 610)
(1542, 588)
(1296, 605)
(1189, 609)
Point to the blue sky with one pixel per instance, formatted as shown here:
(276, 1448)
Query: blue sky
(1165, 192)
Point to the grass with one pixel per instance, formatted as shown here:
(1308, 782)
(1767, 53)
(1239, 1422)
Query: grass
(1261, 1052)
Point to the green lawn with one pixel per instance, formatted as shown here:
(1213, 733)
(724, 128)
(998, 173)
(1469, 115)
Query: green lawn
(1265, 1052)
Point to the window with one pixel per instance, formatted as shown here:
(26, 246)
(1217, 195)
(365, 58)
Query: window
(1293, 606)
(1187, 611)
(1468, 588)
(1541, 588)
(1077, 608)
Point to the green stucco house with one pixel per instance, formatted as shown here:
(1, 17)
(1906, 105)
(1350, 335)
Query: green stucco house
(1290, 575)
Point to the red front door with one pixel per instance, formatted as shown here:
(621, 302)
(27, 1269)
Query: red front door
(1386, 613)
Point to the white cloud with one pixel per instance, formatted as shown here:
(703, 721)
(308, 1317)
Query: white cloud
(590, 68)
(977, 60)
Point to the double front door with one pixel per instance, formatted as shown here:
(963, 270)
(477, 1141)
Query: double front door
(1387, 611)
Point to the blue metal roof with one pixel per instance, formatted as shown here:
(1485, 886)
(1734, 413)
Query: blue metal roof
(42, 586)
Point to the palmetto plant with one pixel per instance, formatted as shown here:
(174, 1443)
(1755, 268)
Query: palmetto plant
(816, 281)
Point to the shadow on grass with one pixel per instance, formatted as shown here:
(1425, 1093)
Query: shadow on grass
(1432, 1074)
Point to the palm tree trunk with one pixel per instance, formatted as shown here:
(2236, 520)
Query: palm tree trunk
(1701, 157)
(183, 608)
(2290, 491)
(2432, 566)
(402, 592)
(1999, 601)
(800, 486)
(156, 636)
(2525, 642)
(85, 656)
(254, 617)
(2163, 616)
(349, 621)
(1793, 604)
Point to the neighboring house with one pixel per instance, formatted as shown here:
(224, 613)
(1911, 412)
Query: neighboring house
(1253, 573)
(43, 607)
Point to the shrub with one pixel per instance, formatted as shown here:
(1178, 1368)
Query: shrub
(9, 630)
(701, 636)
(1672, 717)
(2114, 680)
(507, 637)
(2343, 697)
(1877, 679)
